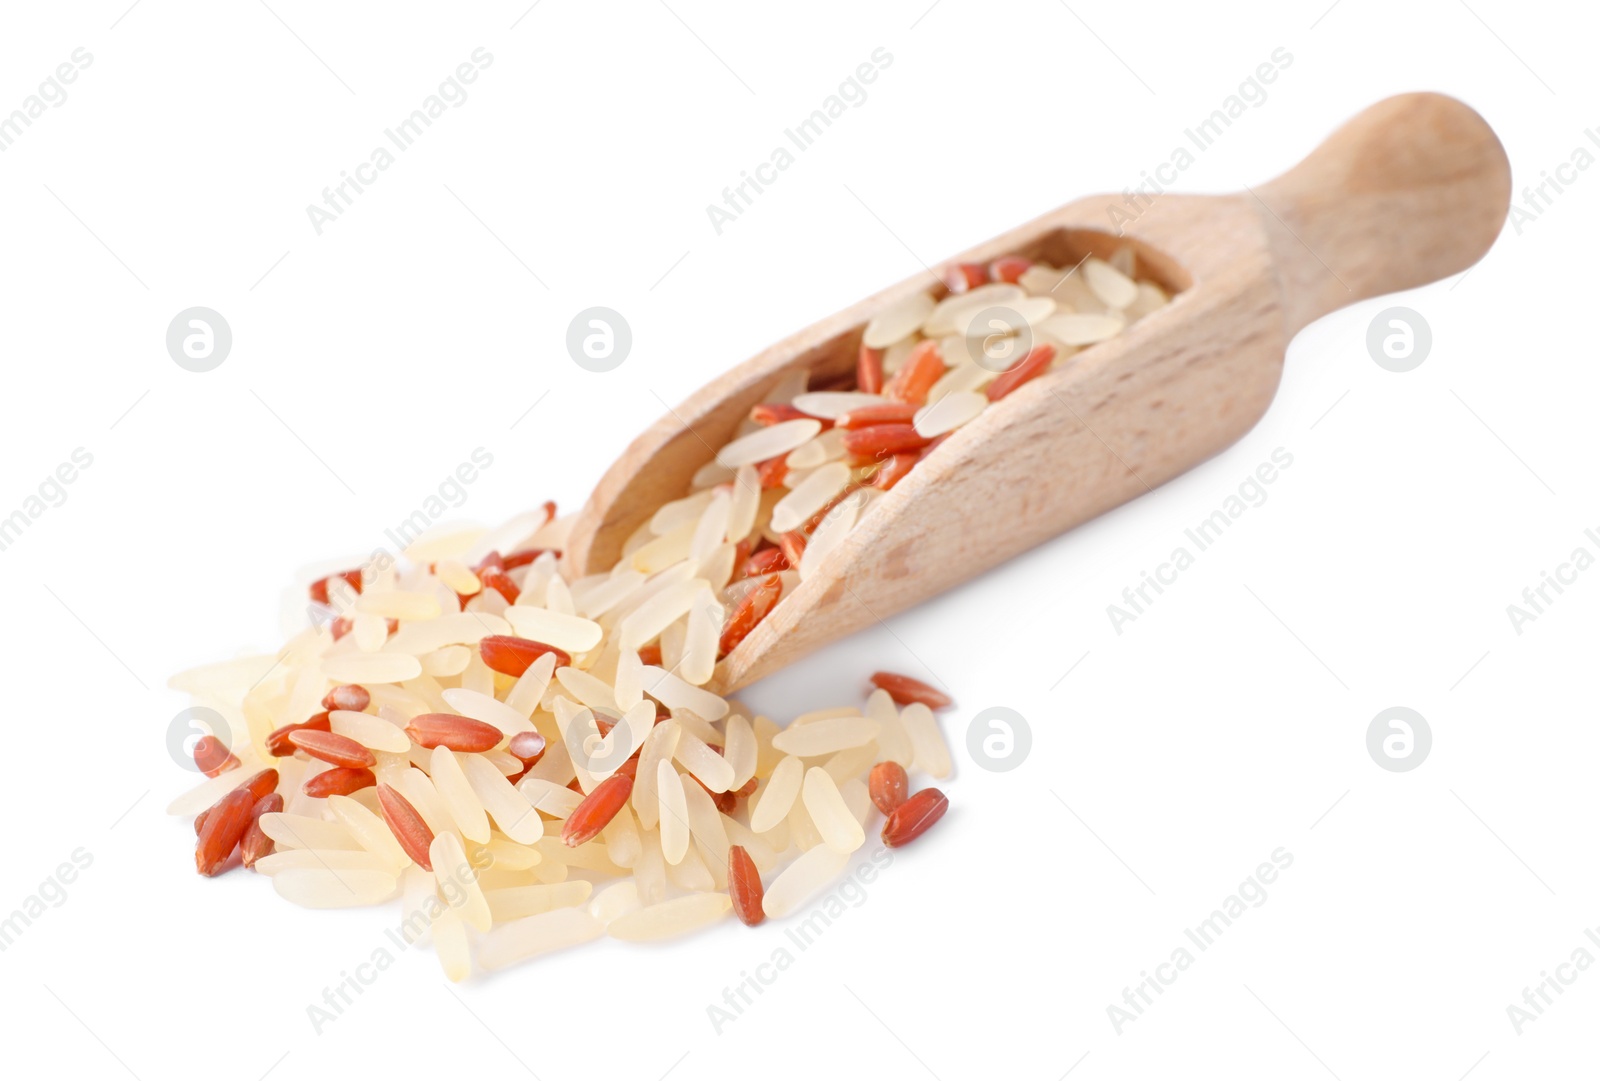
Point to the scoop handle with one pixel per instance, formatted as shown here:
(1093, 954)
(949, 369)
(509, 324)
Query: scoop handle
(1410, 191)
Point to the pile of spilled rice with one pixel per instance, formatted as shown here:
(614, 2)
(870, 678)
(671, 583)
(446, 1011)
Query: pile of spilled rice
(529, 762)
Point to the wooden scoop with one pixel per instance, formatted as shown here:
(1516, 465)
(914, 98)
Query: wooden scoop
(1412, 190)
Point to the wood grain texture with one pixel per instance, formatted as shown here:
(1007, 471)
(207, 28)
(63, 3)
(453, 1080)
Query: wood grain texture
(1414, 189)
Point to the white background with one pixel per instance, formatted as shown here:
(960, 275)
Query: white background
(369, 361)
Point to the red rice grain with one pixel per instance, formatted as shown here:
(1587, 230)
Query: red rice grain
(319, 588)
(869, 370)
(224, 826)
(766, 561)
(522, 558)
(894, 470)
(882, 440)
(921, 370)
(884, 413)
(279, 745)
(959, 277)
(406, 825)
(261, 784)
(905, 690)
(1008, 268)
(528, 746)
(793, 546)
(744, 886)
(750, 610)
(501, 583)
(914, 817)
(350, 696)
(769, 413)
(339, 781)
(1036, 362)
(597, 810)
(255, 843)
(772, 472)
(212, 758)
(511, 656)
(888, 784)
(333, 748)
(458, 733)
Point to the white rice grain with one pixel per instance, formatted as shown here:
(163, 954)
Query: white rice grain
(419, 791)
(556, 800)
(458, 882)
(399, 604)
(456, 628)
(705, 823)
(444, 769)
(829, 404)
(712, 526)
(524, 695)
(320, 888)
(535, 936)
(928, 748)
(510, 809)
(592, 692)
(519, 902)
(660, 611)
(621, 838)
(650, 869)
(739, 749)
(300, 831)
(369, 731)
(615, 901)
(571, 633)
(768, 442)
(701, 638)
(367, 668)
(699, 759)
(370, 831)
(803, 879)
(839, 828)
(674, 813)
(898, 320)
(825, 736)
(659, 746)
(810, 496)
(691, 874)
(829, 535)
(893, 742)
(949, 412)
(827, 447)
(325, 859)
(671, 918)
(676, 694)
(1111, 285)
(1081, 328)
(774, 800)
